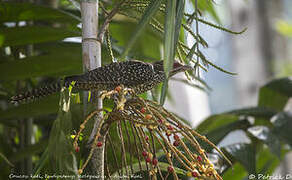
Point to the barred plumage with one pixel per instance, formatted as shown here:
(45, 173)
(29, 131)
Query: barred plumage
(139, 76)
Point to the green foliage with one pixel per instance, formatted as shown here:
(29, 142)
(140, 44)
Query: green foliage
(284, 28)
(278, 93)
(49, 57)
(145, 19)
(207, 6)
(268, 133)
(60, 149)
(137, 33)
(28, 151)
(282, 126)
(15, 36)
(13, 12)
(53, 62)
(45, 106)
(245, 154)
(173, 19)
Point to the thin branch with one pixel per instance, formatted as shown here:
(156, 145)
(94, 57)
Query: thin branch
(6, 160)
(108, 19)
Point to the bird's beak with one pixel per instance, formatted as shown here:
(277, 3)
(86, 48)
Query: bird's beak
(186, 68)
(180, 69)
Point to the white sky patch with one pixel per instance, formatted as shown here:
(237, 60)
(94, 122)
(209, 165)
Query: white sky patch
(73, 39)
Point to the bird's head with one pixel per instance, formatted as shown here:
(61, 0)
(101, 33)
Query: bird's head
(177, 67)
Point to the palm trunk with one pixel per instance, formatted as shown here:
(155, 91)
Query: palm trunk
(91, 56)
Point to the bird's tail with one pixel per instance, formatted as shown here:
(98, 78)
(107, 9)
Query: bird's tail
(41, 92)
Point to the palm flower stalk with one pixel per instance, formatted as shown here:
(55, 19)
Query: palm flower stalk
(148, 139)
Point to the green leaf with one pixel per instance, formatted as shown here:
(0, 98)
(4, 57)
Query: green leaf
(169, 43)
(269, 138)
(245, 154)
(215, 121)
(168, 63)
(207, 6)
(44, 106)
(34, 34)
(237, 172)
(255, 111)
(219, 28)
(73, 47)
(149, 13)
(191, 52)
(266, 161)
(169, 36)
(218, 134)
(122, 31)
(28, 151)
(14, 12)
(1, 40)
(163, 92)
(282, 126)
(63, 61)
(284, 28)
(60, 143)
(40, 164)
(178, 20)
(276, 93)
(201, 55)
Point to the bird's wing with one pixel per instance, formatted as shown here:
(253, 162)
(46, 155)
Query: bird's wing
(126, 72)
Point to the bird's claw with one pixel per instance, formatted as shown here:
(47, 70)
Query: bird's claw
(121, 92)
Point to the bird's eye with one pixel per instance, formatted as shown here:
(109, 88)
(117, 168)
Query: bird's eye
(176, 65)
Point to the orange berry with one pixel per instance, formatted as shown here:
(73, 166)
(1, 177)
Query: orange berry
(169, 127)
(176, 137)
(148, 116)
(118, 88)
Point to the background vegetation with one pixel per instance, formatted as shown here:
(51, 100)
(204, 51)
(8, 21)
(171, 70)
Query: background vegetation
(33, 53)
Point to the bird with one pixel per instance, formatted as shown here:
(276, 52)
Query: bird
(134, 74)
